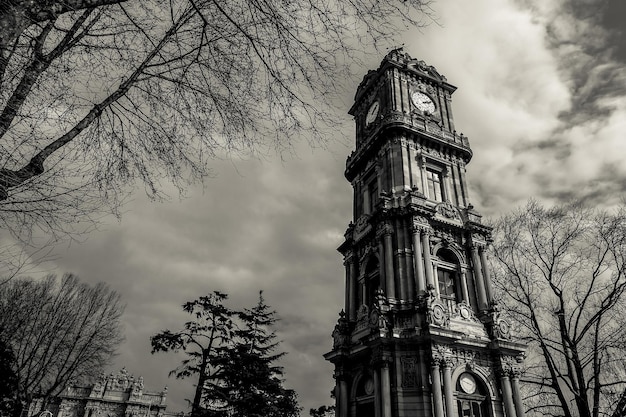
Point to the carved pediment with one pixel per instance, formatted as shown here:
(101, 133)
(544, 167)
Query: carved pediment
(448, 212)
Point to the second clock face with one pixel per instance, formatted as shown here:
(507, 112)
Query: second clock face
(423, 102)
(468, 384)
(372, 113)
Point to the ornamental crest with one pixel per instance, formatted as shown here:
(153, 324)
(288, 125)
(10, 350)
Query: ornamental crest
(464, 311)
(362, 317)
(361, 227)
(425, 88)
(449, 212)
(500, 326)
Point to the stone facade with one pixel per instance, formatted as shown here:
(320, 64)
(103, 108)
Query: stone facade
(420, 333)
(120, 395)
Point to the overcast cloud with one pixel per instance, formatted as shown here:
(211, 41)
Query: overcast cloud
(542, 98)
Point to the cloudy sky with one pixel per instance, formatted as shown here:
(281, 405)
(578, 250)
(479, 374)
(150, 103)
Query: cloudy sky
(541, 96)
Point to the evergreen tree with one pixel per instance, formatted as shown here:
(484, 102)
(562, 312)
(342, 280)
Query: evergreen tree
(233, 353)
(250, 382)
(203, 340)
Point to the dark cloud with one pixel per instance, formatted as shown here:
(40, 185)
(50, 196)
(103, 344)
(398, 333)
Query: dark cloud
(613, 19)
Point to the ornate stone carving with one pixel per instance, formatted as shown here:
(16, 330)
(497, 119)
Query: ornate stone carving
(440, 353)
(383, 229)
(434, 125)
(500, 327)
(436, 312)
(447, 238)
(419, 223)
(409, 372)
(341, 333)
(463, 311)
(362, 226)
(449, 211)
(365, 252)
(362, 318)
(378, 320)
(511, 365)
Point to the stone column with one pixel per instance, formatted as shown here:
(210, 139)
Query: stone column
(343, 396)
(445, 178)
(464, 290)
(399, 260)
(337, 392)
(419, 261)
(385, 382)
(410, 276)
(507, 395)
(486, 276)
(377, 393)
(517, 396)
(353, 289)
(436, 389)
(428, 263)
(423, 173)
(350, 287)
(478, 278)
(388, 245)
(448, 389)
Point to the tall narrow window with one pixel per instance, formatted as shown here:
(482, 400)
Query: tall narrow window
(434, 183)
(448, 277)
(372, 281)
(373, 194)
(447, 283)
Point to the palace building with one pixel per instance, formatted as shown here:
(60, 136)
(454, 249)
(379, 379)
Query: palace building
(420, 333)
(115, 395)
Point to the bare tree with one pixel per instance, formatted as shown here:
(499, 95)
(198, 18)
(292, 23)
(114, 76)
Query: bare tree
(96, 94)
(58, 331)
(562, 273)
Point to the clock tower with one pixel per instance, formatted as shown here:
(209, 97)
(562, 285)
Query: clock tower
(420, 333)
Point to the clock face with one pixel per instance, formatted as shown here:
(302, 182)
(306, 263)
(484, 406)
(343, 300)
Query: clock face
(372, 113)
(468, 383)
(423, 102)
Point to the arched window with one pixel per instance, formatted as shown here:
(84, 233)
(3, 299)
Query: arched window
(365, 397)
(448, 278)
(472, 398)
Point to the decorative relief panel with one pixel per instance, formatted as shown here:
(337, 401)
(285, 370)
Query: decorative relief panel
(511, 365)
(475, 361)
(420, 223)
(436, 312)
(500, 326)
(362, 227)
(448, 212)
(362, 318)
(463, 311)
(409, 372)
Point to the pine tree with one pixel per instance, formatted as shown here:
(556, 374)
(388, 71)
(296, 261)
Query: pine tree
(233, 354)
(203, 340)
(250, 382)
